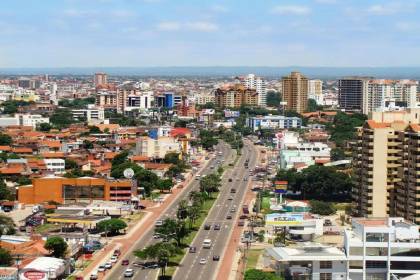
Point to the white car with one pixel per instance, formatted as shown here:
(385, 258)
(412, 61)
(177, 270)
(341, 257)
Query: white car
(108, 265)
(128, 272)
(203, 261)
(94, 275)
(113, 259)
(101, 268)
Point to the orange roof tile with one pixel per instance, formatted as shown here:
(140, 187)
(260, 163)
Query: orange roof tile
(139, 158)
(110, 155)
(157, 166)
(51, 143)
(53, 155)
(5, 148)
(12, 170)
(22, 150)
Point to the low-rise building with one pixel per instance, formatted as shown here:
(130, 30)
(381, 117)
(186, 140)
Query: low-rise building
(23, 120)
(91, 114)
(273, 122)
(157, 147)
(304, 154)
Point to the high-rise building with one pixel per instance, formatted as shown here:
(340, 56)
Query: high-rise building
(351, 91)
(315, 91)
(295, 92)
(235, 96)
(385, 161)
(101, 79)
(259, 84)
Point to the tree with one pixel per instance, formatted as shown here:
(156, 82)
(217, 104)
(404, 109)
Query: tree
(164, 184)
(322, 207)
(173, 229)
(344, 126)
(193, 213)
(172, 157)
(112, 226)
(87, 145)
(23, 180)
(161, 252)
(5, 140)
(4, 191)
(210, 183)
(337, 154)
(94, 129)
(255, 274)
(7, 226)
(70, 164)
(57, 245)
(62, 118)
(45, 127)
(5, 257)
(120, 158)
(207, 139)
(182, 211)
(313, 106)
(273, 99)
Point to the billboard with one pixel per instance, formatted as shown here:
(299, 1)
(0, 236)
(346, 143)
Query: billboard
(280, 186)
(231, 114)
(284, 219)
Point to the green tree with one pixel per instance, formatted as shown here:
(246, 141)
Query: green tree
(337, 154)
(87, 145)
(207, 139)
(4, 190)
(210, 183)
(94, 129)
(322, 207)
(5, 140)
(255, 274)
(182, 211)
(173, 229)
(5, 257)
(120, 158)
(70, 164)
(161, 252)
(45, 127)
(344, 126)
(112, 226)
(62, 118)
(313, 106)
(7, 226)
(164, 184)
(273, 99)
(23, 180)
(57, 246)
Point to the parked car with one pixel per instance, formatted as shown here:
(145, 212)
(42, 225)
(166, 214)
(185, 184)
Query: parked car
(101, 268)
(229, 217)
(216, 258)
(241, 223)
(108, 265)
(94, 275)
(113, 259)
(117, 252)
(125, 262)
(129, 272)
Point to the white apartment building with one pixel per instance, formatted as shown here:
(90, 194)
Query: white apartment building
(139, 101)
(304, 154)
(23, 120)
(202, 99)
(157, 148)
(315, 91)
(259, 84)
(55, 165)
(382, 94)
(91, 114)
(273, 122)
(382, 249)
(311, 261)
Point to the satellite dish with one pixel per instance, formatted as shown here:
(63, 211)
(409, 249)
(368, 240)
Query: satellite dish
(128, 173)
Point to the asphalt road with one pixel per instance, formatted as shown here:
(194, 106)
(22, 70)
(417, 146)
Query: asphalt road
(117, 272)
(190, 267)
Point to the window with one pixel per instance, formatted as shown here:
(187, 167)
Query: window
(325, 276)
(325, 264)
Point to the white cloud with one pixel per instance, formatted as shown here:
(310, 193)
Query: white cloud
(291, 10)
(202, 26)
(169, 26)
(391, 8)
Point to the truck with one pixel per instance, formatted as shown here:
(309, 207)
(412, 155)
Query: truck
(207, 243)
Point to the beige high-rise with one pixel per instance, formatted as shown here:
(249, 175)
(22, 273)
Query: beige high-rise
(386, 166)
(295, 92)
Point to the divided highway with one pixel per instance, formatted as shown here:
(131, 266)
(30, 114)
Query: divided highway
(117, 272)
(190, 267)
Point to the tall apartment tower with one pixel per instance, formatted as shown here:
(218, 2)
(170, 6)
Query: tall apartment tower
(315, 91)
(351, 92)
(259, 84)
(295, 92)
(385, 164)
(100, 79)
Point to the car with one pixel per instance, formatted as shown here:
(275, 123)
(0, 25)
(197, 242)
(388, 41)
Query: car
(159, 223)
(193, 249)
(156, 236)
(138, 264)
(129, 272)
(150, 265)
(117, 252)
(113, 259)
(101, 268)
(232, 190)
(94, 275)
(108, 265)
(125, 262)
(232, 210)
(241, 223)
(230, 198)
(207, 227)
(230, 180)
(245, 178)
(216, 258)
(203, 261)
(229, 217)
(216, 227)
(212, 167)
(243, 217)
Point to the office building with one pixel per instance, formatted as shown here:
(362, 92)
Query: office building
(382, 248)
(70, 190)
(24, 120)
(235, 96)
(92, 114)
(295, 92)
(315, 91)
(158, 147)
(259, 84)
(202, 99)
(106, 99)
(385, 166)
(351, 92)
(100, 79)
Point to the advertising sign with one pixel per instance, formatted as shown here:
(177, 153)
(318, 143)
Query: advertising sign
(34, 275)
(280, 186)
(231, 114)
(285, 219)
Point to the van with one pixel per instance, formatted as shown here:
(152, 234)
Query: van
(207, 243)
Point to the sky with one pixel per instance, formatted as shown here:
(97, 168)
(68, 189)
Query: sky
(139, 33)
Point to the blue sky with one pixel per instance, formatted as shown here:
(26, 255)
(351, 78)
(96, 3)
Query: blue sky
(78, 33)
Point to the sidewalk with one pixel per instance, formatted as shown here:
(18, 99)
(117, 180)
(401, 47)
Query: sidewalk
(126, 242)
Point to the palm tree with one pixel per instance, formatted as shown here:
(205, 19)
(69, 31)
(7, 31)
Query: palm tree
(182, 210)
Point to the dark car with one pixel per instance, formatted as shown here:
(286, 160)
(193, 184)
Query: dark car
(216, 258)
(230, 180)
(243, 217)
(125, 262)
(193, 249)
(207, 227)
(150, 265)
(229, 217)
(216, 227)
(117, 252)
(232, 190)
(241, 223)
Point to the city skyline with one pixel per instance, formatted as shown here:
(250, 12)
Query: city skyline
(146, 33)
